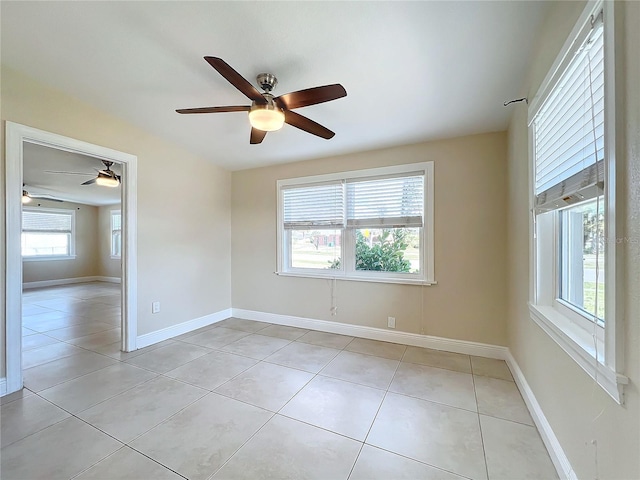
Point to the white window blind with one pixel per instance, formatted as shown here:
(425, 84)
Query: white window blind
(388, 201)
(36, 221)
(314, 206)
(569, 128)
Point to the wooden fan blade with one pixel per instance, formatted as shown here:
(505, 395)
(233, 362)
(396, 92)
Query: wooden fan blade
(239, 108)
(306, 124)
(89, 182)
(235, 79)
(311, 96)
(257, 136)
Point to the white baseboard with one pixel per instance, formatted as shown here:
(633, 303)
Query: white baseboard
(184, 327)
(3, 386)
(108, 279)
(69, 281)
(414, 339)
(558, 457)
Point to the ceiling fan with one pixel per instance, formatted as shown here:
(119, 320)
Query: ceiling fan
(27, 197)
(268, 113)
(105, 178)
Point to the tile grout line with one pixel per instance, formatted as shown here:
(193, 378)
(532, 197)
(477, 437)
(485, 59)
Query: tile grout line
(484, 450)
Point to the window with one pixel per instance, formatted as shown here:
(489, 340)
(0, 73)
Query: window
(47, 234)
(373, 225)
(116, 234)
(574, 283)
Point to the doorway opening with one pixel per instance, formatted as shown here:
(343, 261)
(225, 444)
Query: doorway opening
(65, 308)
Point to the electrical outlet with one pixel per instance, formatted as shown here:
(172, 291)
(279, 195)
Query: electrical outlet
(155, 307)
(391, 322)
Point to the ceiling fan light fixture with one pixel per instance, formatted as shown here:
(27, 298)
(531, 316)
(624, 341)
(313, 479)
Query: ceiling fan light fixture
(106, 181)
(267, 118)
(25, 197)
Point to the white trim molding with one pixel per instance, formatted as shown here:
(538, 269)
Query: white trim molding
(3, 386)
(372, 333)
(15, 137)
(556, 452)
(181, 328)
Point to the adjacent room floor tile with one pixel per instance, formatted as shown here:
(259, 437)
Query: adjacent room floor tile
(45, 323)
(392, 351)
(501, 398)
(266, 385)
(342, 407)
(47, 353)
(36, 340)
(127, 464)
(490, 367)
(58, 371)
(135, 411)
(330, 340)
(363, 369)
(437, 358)
(97, 339)
(81, 393)
(376, 464)
(167, 358)
(282, 331)
(58, 452)
(212, 370)
(256, 346)
(439, 435)
(303, 356)
(215, 337)
(198, 440)
(25, 416)
(435, 384)
(286, 448)
(250, 326)
(79, 330)
(514, 450)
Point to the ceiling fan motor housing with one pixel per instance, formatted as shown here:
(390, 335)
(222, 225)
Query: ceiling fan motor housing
(267, 81)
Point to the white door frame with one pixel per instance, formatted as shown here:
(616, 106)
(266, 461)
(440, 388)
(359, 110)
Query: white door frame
(16, 135)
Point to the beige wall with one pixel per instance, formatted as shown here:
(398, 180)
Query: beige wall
(469, 301)
(86, 241)
(578, 410)
(183, 245)
(107, 266)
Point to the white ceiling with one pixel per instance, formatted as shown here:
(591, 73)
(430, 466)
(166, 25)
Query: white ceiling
(413, 71)
(39, 160)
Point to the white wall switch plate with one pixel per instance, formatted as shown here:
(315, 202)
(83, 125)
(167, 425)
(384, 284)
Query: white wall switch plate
(155, 307)
(391, 322)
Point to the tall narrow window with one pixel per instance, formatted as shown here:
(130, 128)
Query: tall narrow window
(116, 234)
(47, 233)
(574, 201)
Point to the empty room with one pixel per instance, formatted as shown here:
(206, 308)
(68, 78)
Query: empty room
(320, 240)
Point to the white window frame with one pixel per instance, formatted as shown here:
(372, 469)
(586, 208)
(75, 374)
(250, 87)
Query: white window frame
(597, 349)
(426, 274)
(72, 237)
(111, 214)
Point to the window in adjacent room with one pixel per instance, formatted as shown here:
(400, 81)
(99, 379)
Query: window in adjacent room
(574, 202)
(48, 233)
(116, 234)
(373, 225)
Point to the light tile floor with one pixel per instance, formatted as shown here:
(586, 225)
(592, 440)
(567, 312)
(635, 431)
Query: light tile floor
(243, 399)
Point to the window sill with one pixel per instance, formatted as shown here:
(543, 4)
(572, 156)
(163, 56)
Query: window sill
(49, 258)
(578, 344)
(116, 257)
(402, 281)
